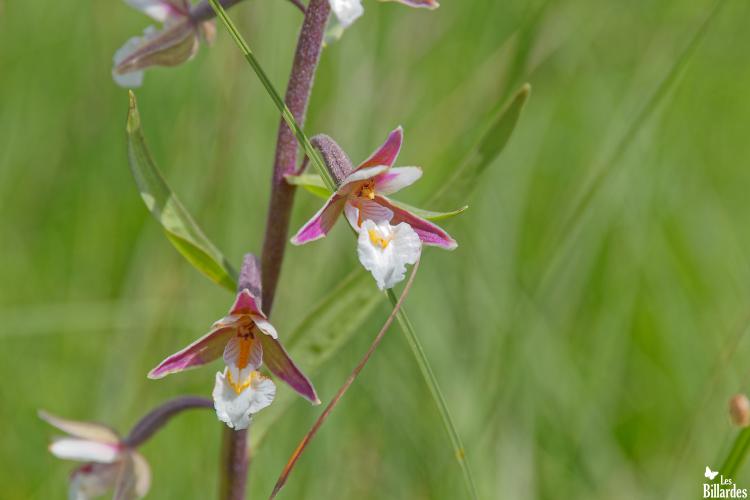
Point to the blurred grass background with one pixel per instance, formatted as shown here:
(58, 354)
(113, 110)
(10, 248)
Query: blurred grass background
(587, 360)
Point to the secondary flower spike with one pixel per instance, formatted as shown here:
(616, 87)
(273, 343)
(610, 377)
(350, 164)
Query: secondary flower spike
(362, 196)
(109, 464)
(347, 11)
(246, 339)
(175, 43)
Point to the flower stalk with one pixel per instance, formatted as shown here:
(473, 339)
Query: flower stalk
(293, 110)
(155, 420)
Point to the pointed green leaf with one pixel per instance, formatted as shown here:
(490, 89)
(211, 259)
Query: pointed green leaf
(429, 214)
(180, 228)
(311, 182)
(488, 148)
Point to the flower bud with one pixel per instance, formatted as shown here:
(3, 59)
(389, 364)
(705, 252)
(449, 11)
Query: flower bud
(338, 164)
(739, 410)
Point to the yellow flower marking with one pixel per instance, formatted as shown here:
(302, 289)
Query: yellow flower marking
(242, 385)
(378, 240)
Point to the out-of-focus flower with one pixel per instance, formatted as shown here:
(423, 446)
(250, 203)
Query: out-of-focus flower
(246, 338)
(385, 250)
(361, 196)
(739, 410)
(347, 11)
(109, 463)
(175, 43)
(236, 407)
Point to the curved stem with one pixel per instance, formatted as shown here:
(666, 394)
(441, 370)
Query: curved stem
(154, 420)
(349, 381)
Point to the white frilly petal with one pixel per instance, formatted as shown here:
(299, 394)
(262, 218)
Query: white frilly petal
(385, 250)
(347, 11)
(236, 410)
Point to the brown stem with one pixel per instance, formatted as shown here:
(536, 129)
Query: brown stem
(349, 381)
(234, 464)
(309, 45)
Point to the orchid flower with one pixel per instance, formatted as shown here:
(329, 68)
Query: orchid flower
(109, 463)
(347, 11)
(361, 196)
(246, 339)
(174, 44)
(384, 250)
(236, 408)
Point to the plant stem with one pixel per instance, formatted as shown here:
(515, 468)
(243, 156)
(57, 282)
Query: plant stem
(437, 394)
(737, 453)
(298, 90)
(156, 418)
(293, 110)
(349, 381)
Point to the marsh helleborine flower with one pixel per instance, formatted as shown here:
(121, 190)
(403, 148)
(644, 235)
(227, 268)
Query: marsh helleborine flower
(109, 463)
(175, 43)
(246, 339)
(362, 196)
(347, 11)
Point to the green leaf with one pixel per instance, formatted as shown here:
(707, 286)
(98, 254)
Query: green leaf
(464, 179)
(180, 228)
(311, 182)
(429, 214)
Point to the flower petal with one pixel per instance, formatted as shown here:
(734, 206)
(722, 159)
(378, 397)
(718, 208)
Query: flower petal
(241, 364)
(425, 4)
(84, 450)
(92, 480)
(204, 350)
(347, 11)
(142, 473)
(171, 46)
(265, 326)
(246, 303)
(388, 152)
(160, 10)
(322, 222)
(132, 79)
(429, 233)
(359, 175)
(363, 209)
(385, 250)
(277, 360)
(396, 179)
(236, 410)
(84, 430)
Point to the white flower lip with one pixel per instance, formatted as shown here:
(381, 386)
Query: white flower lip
(347, 11)
(236, 410)
(385, 250)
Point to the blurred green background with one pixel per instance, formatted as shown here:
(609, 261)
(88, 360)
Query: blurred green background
(587, 332)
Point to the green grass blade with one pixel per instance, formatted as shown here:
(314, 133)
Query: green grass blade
(286, 114)
(180, 227)
(737, 454)
(437, 394)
